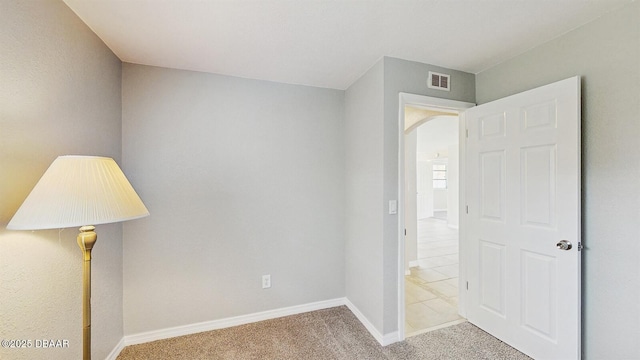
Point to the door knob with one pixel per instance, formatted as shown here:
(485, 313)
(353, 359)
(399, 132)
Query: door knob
(564, 245)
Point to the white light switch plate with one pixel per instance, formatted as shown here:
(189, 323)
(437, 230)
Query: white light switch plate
(393, 207)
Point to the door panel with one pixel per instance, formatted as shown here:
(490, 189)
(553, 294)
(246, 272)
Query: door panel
(492, 277)
(539, 290)
(523, 194)
(538, 178)
(492, 185)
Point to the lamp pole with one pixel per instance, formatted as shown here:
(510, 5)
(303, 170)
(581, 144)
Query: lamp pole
(86, 239)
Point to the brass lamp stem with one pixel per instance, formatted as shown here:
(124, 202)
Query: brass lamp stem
(86, 239)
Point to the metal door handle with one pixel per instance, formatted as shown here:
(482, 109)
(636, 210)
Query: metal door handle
(564, 245)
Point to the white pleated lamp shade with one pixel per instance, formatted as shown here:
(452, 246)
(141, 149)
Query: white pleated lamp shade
(77, 191)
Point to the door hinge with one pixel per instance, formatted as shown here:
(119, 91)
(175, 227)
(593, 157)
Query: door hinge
(580, 247)
(405, 232)
(467, 209)
(466, 133)
(467, 285)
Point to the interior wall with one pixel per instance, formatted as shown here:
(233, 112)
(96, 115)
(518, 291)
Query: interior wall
(409, 77)
(424, 188)
(364, 203)
(440, 199)
(606, 54)
(242, 178)
(60, 94)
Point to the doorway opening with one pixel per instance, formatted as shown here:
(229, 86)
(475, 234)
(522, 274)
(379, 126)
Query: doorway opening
(431, 142)
(431, 219)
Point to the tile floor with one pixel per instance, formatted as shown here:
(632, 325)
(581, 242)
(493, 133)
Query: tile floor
(431, 290)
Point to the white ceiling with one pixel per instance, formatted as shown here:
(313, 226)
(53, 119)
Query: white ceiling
(328, 43)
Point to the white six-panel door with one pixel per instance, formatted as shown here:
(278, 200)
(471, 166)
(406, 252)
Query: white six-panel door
(523, 197)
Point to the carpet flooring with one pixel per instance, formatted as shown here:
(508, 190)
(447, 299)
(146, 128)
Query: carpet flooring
(333, 333)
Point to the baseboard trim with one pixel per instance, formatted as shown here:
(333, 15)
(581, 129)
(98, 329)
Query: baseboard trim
(144, 337)
(116, 350)
(390, 338)
(414, 263)
(154, 335)
(384, 340)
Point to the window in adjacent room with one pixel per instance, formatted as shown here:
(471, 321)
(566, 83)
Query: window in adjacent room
(439, 176)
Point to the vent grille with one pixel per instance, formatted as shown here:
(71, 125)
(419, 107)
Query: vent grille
(439, 81)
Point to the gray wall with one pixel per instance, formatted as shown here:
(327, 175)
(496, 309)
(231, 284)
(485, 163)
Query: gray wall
(409, 77)
(372, 180)
(242, 178)
(60, 93)
(606, 54)
(364, 202)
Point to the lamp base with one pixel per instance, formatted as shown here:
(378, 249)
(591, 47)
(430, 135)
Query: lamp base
(86, 239)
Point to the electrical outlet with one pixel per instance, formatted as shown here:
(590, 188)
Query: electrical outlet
(266, 281)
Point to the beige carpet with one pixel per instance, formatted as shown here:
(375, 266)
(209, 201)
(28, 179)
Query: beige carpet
(325, 334)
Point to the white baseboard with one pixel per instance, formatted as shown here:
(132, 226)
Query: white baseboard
(413, 263)
(228, 322)
(391, 338)
(451, 226)
(384, 340)
(116, 350)
(154, 335)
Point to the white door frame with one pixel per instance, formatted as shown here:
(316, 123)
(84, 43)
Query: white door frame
(446, 105)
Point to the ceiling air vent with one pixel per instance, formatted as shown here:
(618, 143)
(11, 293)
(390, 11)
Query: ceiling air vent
(439, 81)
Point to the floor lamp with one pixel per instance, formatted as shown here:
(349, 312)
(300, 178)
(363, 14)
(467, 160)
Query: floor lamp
(80, 191)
